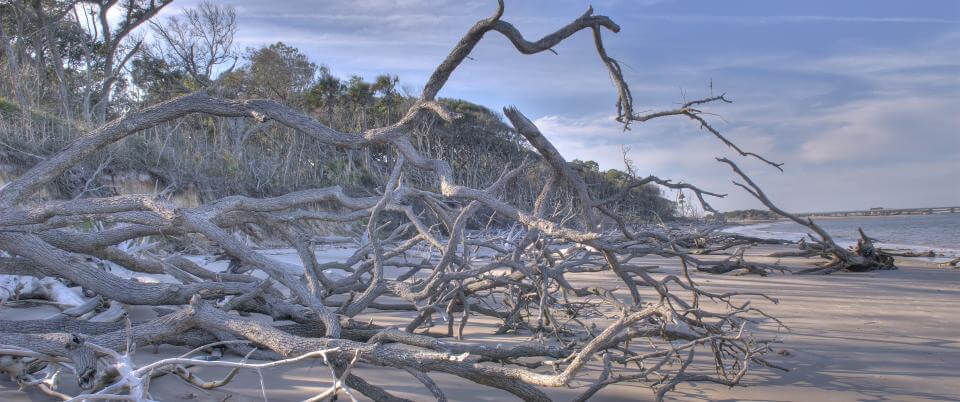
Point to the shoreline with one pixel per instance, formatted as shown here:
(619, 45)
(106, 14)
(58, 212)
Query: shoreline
(827, 217)
(942, 253)
(831, 218)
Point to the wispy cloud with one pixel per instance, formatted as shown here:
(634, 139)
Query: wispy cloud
(872, 130)
(779, 19)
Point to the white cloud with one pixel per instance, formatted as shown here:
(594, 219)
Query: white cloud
(779, 19)
(886, 128)
(596, 138)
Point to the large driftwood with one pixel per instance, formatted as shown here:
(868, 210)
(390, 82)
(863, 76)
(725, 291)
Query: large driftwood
(525, 282)
(864, 257)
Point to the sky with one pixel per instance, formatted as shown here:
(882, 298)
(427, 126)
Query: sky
(859, 99)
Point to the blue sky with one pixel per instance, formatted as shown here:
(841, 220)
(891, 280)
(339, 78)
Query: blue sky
(859, 99)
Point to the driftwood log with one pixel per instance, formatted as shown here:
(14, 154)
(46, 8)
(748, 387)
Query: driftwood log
(654, 333)
(864, 257)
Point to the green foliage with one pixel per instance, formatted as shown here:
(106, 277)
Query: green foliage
(8, 108)
(588, 166)
(749, 214)
(158, 79)
(231, 164)
(278, 71)
(325, 90)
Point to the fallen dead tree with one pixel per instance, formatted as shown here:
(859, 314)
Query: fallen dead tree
(654, 332)
(864, 257)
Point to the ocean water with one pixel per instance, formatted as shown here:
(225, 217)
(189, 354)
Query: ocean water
(937, 232)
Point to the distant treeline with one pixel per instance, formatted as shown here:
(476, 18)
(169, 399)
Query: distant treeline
(749, 214)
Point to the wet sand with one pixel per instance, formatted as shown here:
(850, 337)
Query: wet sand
(889, 335)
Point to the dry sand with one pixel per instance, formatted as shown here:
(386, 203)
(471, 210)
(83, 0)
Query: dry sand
(891, 335)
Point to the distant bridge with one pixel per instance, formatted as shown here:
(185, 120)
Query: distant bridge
(886, 212)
